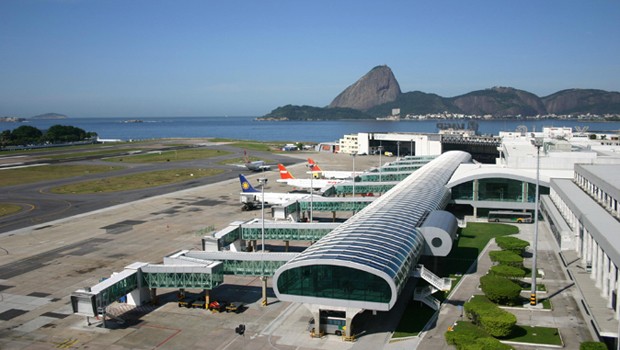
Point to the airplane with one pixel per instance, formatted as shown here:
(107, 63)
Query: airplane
(317, 184)
(257, 165)
(251, 197)
(332, 174)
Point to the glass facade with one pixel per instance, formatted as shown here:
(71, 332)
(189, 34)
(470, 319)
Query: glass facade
(335, 282)
(369, 258)
(498, 189)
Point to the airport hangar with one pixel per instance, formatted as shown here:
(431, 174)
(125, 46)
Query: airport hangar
(506, 185)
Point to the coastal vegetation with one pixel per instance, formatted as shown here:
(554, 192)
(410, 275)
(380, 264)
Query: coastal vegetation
(135, 181)
(29, 135)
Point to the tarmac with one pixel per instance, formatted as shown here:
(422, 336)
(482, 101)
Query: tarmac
(41, 265)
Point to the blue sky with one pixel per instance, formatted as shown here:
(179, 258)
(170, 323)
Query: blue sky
(135, 58)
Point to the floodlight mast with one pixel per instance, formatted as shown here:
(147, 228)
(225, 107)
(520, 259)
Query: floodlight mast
(536, 142)
(311, 167)
(263, 182)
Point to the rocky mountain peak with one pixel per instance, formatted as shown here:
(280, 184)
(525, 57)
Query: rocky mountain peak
(377, 87)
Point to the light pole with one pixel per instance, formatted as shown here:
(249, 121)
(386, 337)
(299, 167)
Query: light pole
(537, 142)
(380, 148)
(353, 155)
(311, 167)
(398, 154)
(263, 182)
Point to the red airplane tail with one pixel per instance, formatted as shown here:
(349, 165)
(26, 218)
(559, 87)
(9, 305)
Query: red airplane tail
(315, 167)
(284, 174)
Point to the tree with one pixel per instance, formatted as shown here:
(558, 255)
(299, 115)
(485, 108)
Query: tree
(26, 135)
(512, 244)
(65, 133)
(500, 290)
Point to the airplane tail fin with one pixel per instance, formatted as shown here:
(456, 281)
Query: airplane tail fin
(284, 174)
(315, 167)
(245, 185)
(245, 156)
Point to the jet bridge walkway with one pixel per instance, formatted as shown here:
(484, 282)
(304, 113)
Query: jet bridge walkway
(346, 188)
(252, 230)
(383, 176)
(335, 203)
(183, 270)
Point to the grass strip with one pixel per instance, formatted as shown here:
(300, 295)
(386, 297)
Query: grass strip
(170, 156)
(8, 209)
(535, 335)
(135, 181)
(472, 239)
(20, 176)
(82, 154)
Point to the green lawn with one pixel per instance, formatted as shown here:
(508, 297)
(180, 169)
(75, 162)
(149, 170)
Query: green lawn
(535, 335)
(270, 146)
(136, 181)
(242, 160)
(170, 156)
(8, 209)
(472, 239)
(27, 175)
(82, 154)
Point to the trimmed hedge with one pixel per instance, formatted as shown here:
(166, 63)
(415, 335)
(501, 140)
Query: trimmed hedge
(500, 290)
(506, 257)
(592, 345)
(467, 336)
(507, 271)
(495, 321)
(512, 244)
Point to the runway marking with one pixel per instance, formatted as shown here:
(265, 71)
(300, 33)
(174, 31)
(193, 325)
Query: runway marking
(67, 344)
(177, 331)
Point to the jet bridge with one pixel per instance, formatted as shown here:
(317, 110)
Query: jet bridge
(182, 270)
(383, 176)
(345, 188)
(334, 204)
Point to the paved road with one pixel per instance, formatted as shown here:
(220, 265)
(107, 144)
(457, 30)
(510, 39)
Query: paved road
(41, 206)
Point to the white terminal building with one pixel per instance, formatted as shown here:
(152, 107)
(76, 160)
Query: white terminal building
(579, 179)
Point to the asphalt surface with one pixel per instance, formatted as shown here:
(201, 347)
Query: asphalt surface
(41, 265)
(40, 206)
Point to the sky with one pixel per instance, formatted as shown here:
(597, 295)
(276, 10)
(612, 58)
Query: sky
(149, 58)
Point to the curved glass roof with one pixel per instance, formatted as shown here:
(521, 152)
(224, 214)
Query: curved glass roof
(382, 239)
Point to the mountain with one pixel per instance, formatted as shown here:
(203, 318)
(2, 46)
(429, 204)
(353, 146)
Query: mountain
(499, 101)
(415, 102)
(377, 87)
(377, 93)
(50, 116)
(581, 101)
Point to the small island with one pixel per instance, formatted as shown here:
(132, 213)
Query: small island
(50, 116)
(12, 119)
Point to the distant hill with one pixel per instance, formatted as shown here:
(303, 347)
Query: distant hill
(290, 112)
(378, 92)
(377, 87)
(578, 101)
(50, 116)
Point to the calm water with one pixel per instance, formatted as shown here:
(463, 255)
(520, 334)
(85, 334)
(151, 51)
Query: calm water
(302, 131)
